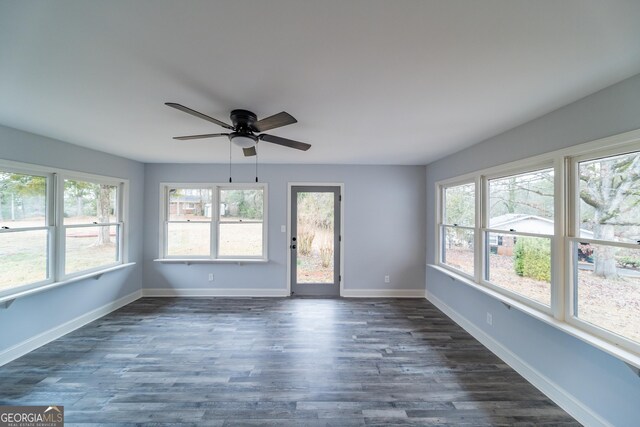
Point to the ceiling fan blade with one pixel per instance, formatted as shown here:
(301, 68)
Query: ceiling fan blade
(248, 152)
(275, 121)
(206, 135)
(198, 114)
(285, 142)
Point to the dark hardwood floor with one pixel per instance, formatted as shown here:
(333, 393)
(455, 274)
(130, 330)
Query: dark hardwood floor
(276, 362)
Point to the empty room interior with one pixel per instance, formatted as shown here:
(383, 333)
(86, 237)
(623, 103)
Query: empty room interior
(320, 213)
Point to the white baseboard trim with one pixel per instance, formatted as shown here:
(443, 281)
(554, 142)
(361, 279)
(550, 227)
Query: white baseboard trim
(56, 332)
(213, 292)
(560, 396)
(383, 293)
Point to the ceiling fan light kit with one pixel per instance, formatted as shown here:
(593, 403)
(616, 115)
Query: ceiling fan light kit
(243, 140)
(245, 125)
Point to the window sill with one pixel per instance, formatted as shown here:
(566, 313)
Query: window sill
(7, 299)
(628, 357)
(188, 261)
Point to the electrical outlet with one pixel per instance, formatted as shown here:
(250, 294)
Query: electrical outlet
(387, 279)
(283, 228)
(211, 277)
(489, 318)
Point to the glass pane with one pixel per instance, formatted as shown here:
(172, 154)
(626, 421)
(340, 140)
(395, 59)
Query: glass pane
(189, 239)
(241, 205)
(521, 264)
(190, 204)
(240, 239)
(522, 202)
(90, 247)
(610, 198)
(88, 202)
(608, 288)
(315, 254)
(457, 249)
(23, 200)
(460, 202)
(23, 255)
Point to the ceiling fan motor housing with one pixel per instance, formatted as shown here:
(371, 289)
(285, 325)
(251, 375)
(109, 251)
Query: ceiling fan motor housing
(243, 120)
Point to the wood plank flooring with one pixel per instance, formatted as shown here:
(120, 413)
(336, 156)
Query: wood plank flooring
(276, 362)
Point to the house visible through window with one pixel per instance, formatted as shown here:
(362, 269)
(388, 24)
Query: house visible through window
(214, 221)
(457, 229)
(558, 235)
(521, 224)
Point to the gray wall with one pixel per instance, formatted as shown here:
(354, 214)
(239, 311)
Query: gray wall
(598, 380)
(35, 314)
(384, 209)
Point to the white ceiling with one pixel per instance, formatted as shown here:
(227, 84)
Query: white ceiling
(370, 81)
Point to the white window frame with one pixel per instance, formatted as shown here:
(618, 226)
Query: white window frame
(441, 202)
(49, 224)
(566, 201)
(573, 236)
(485, 231)
(61, 228)
(164, 241)
(214, 222)
(55, 226)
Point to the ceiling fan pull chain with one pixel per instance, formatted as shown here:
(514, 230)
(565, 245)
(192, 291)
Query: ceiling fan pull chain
(230, 161)
(256, 147)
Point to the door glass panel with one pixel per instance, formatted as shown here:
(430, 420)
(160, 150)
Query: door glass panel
(315, 237)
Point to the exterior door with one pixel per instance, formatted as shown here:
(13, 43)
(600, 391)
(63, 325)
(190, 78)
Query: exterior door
(315, 240)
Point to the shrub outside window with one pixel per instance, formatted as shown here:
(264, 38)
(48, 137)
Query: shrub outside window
(518, 250)
(560, 239)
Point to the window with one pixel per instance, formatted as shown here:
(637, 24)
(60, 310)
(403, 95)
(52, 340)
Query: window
(25, 232)
(189, 222)
(195, 229)
(91, 225)
(457, 227)
(556, 235)
(521, 226)
(240, 224)
(55, 226)
(605, 250)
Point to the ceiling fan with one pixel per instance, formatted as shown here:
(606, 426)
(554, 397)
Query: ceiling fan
(245, 125)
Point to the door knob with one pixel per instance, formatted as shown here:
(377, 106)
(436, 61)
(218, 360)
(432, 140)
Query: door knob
(292, 246)
(293, 239)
